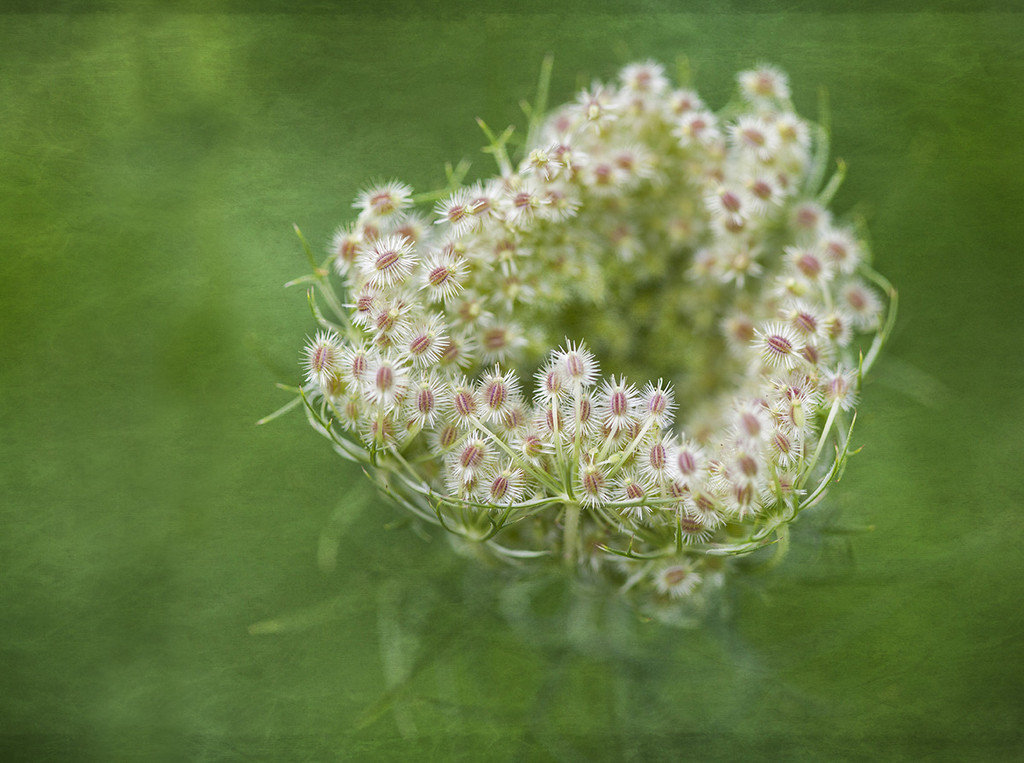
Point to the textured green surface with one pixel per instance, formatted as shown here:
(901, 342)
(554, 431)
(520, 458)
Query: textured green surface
(151, 167)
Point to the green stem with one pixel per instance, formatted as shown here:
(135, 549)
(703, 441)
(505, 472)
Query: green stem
(572, 530)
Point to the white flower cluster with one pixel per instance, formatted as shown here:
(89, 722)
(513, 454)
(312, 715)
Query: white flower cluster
(691, 251)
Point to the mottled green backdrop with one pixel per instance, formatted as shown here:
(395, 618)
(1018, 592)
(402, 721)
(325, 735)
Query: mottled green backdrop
(151, 168)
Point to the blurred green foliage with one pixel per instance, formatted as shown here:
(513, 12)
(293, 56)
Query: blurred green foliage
(151, 167)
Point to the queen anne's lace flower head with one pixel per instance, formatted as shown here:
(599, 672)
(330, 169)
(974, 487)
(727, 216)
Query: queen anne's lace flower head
(635, 354)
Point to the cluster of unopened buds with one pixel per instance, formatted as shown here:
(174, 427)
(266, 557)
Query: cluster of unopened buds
(635, 351)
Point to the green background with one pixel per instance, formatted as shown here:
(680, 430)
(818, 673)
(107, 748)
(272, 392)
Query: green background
(151, 168)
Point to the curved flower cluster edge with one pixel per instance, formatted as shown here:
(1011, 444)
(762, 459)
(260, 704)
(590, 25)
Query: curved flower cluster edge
(633, 194)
